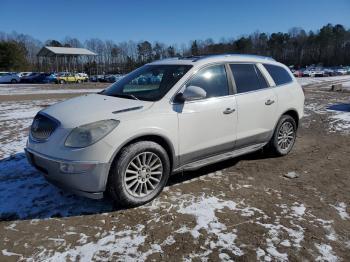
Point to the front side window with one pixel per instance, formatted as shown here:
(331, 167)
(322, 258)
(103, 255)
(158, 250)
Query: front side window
(247, 77)
(149, 83)
(213, 80)
(278, 74)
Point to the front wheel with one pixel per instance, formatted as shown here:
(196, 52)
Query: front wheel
(284, 136)
(138, 174)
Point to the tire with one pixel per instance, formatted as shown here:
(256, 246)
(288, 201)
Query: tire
(127, 174)
(284, 136)
(13, 81)
(62, 81)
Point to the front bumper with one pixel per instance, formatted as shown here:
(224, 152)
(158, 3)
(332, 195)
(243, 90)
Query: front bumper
(90, 183)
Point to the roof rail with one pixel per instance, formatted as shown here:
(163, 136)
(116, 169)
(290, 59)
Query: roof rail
(229, 55)
(196, 58)
(192, 57)
(166, 58)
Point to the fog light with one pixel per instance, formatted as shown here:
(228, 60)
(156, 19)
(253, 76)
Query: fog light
(75, 168)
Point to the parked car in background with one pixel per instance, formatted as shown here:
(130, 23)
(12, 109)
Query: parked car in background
(83, 76)
(109, 78)
(297, 73)
(333, 71)
(97, 78)
(30, 78)
(329, 72)
(49, 78)
(307, 72)
(319, 72)
(66, 77)
(315, 71)
(80, 77)
(342, 71)
(22, 74)
(166, 117)
(93, 78)
(112, 78)
(39, 78)
(6, 77)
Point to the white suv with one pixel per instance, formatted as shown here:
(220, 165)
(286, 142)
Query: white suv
(165, 117)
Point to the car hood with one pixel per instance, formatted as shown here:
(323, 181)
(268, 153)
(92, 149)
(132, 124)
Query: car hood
(94, 107)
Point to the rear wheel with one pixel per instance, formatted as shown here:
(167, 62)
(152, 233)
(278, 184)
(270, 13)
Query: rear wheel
(13, 81)
(62, 81)
(138, 174)
(284, 136)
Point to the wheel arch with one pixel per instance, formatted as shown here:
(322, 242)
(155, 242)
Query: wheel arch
(293, 113)
(159, 139)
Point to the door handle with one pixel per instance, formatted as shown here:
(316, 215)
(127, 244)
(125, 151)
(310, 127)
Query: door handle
(229, 111)
(269, 102)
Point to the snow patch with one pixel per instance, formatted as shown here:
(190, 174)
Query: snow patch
(340, 120)
(298, 210)
(304, 81)
(15, 119)
(327, 225)
(341, 208)
(25, 194)
(204, 211)
(326, 252)
(123, 245)
(169, 241)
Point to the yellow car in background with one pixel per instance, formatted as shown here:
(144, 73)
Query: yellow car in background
(67, 77)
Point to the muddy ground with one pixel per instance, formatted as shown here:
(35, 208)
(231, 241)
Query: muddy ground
(243, 209)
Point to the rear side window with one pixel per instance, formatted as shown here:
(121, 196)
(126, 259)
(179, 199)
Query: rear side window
(278, 74)
(247, 77)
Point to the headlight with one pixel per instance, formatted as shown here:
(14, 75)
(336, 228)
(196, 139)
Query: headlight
(89, 134)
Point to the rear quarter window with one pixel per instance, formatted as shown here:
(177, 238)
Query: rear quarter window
(279, 74)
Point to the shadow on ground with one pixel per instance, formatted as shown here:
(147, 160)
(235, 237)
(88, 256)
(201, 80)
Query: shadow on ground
(340, 107)
(25, 194)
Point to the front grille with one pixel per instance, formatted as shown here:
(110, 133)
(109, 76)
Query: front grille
(42, 127)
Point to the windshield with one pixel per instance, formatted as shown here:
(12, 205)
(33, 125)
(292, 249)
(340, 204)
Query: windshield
(150, 82)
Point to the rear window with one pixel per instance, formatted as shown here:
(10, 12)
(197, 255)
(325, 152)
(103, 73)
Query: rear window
(278, 74)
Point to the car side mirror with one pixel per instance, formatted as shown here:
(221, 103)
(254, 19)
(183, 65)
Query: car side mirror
(190, 93)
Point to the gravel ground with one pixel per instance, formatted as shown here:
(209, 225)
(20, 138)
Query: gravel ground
(244, 209)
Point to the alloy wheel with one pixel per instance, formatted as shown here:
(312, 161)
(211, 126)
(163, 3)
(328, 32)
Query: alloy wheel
(286, 136)
(143, 174)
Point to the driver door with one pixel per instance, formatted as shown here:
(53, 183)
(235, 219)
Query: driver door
(207, 126)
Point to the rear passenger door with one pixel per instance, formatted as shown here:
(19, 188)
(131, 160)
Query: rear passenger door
(288, 94)
(256, 105)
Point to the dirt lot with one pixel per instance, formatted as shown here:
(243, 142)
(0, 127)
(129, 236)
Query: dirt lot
(243, 209)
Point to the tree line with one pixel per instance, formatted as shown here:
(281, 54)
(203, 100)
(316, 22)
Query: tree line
(328, 46)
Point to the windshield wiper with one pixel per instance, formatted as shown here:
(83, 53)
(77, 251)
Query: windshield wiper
(125, 96)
